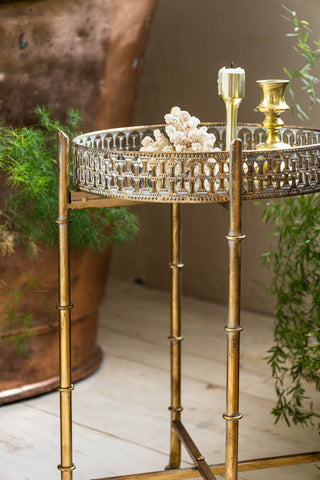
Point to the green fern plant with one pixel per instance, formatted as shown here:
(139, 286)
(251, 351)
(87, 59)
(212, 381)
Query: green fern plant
(294, 260)
(28, 167)
(28, 164)
(310, 55)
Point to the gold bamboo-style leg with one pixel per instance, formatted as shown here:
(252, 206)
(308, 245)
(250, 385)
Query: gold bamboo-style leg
(233, 328)
(175, 336)
(66, 467)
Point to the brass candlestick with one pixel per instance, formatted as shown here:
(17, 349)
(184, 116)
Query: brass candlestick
(272, 104)
(231, 88)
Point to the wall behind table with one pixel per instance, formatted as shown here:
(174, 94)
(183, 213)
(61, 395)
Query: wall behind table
(189, 41)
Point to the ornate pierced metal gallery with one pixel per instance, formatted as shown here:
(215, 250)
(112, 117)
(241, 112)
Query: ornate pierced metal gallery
(109, 163)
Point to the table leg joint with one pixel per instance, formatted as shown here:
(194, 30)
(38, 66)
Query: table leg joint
(66, 469)
(234, 417)
(193, 451)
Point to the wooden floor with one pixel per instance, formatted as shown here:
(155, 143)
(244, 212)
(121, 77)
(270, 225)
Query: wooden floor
(120, 413)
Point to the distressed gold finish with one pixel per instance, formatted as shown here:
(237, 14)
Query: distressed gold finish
(272, 104)
(219, 469)
(79, 200)
(66, 467)
(233, 328)
(111, 171)
(175, 336)
(193, 451)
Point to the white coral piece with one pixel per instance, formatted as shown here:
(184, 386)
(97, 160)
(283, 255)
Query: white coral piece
(157, 145)
(183, 133)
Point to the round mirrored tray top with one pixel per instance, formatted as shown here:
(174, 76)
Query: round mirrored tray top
(109, 163)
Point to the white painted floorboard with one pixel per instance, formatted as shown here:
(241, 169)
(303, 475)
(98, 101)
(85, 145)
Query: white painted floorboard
(121, 421)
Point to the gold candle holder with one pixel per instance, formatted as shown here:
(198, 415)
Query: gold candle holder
(272, 104)
(231, 88)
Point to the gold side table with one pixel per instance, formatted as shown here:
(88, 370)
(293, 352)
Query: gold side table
(109, 170)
